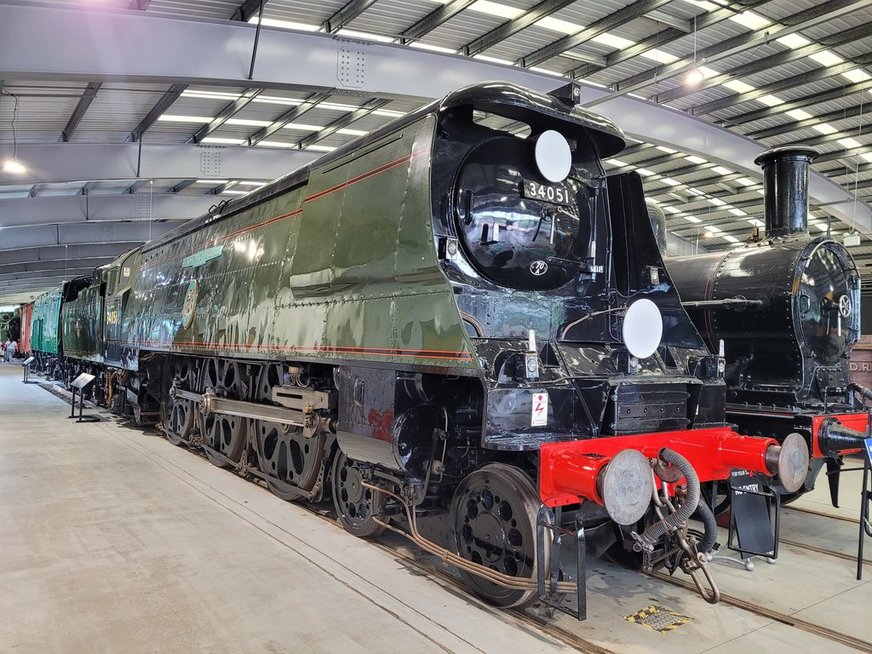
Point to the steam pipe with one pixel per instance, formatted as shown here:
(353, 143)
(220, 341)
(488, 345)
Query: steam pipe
(785, 188)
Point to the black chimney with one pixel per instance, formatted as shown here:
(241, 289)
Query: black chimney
(785, 188)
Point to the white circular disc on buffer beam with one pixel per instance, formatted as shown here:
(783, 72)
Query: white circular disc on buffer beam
(553, 156)
(643, 328)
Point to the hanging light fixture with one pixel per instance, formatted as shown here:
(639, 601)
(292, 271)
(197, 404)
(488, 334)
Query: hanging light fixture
(13, 166)
(694, 75)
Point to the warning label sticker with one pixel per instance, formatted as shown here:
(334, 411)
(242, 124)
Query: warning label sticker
(539, 417)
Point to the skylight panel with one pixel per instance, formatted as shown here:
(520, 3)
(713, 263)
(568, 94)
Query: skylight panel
(692, 219)
(320, 148)
(558, 25)
(671, 210)
(209, 95)
(714, 230)
(545, 71)
(613, 41)
(793, 41)
(850, 143)
(616, 162)
(286, 24)
(248, 122)
(707, 72)
(223, 141)
(493, 60)
(389, 113)
(738, 86)
(744, 181)
(352, 132)
(660, 56)
(335, 106)
(867, 156)
(434, 48)
(495, 9)
(770, 100)
(695, 160)
(663, 148)
(670, 181)
(755, 222)
(271, 99)
(212, 182)
(799, 114)
(365, 36)
(827, 58)
(695, 191)
(720, 170)
(856, 76)
(716, 202)
(302, 127)
(737, 212)
(172, 118)
(276, 144)
(750, 20)
(731, 239)
(645, 172)
(824, 128)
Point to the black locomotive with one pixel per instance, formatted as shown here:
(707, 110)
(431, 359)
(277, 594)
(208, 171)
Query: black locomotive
(785, 311)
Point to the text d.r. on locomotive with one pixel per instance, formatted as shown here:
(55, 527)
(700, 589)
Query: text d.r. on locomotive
(439, 319)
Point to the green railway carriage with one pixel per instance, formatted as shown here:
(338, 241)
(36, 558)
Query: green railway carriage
(82, 315)
(44, 330)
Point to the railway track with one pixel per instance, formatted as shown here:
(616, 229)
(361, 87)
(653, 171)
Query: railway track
(778, 616)
(822, 514)
(541, 624)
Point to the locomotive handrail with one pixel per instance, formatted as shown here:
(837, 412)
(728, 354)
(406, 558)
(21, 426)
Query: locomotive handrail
(719, 303)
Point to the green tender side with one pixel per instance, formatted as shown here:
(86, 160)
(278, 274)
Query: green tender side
(81, 321)
(343, 268)
(44, 328)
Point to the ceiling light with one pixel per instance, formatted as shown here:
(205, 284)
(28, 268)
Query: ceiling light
(494, 60)
(212, 182)
(276, 144)
(14, 167)
(365, 36)
(210, 95)
(272, 99)
(251, 183)
(434, 48)
(694, 77)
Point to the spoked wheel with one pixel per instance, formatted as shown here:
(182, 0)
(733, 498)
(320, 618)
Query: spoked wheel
(493, 515)
(179, 414)
(290, 462)
(354, 503)
(224, 436)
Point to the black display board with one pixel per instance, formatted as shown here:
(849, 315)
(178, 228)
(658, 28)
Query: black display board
(751, 516)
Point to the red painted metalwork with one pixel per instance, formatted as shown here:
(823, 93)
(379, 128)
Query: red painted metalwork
(568, 471)
(855, 421)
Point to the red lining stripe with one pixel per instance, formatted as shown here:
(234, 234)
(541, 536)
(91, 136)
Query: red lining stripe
(211, 345)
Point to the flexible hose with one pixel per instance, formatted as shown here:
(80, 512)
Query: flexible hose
(704, 513)
(674, 520)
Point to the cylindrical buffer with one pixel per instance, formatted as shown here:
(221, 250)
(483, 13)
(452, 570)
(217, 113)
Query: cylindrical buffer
(785, 188)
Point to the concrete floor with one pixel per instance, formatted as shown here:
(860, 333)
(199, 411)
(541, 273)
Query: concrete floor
(113, 540)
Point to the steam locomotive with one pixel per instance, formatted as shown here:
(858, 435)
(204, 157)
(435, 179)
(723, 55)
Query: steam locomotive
(439, 318)
(787, 310)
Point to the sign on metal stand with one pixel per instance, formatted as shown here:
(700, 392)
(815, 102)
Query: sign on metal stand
(26, 365)
(79, 384)
(751, 517)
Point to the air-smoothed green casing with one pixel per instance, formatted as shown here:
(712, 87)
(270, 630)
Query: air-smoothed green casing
(341, 267)
(44, 328)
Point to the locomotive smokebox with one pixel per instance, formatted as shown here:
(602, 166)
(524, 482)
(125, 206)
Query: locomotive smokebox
(785, 188)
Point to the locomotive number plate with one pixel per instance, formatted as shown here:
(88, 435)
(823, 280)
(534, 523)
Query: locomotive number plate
(553, 193)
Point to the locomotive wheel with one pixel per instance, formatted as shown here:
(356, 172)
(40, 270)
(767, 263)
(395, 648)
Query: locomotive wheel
(224, 436)
(354, 503)
(493, 515)
(179, 414)
(289, 461)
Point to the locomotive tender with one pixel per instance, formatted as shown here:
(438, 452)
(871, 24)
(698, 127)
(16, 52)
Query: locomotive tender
(787, 309)
(441, 318)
